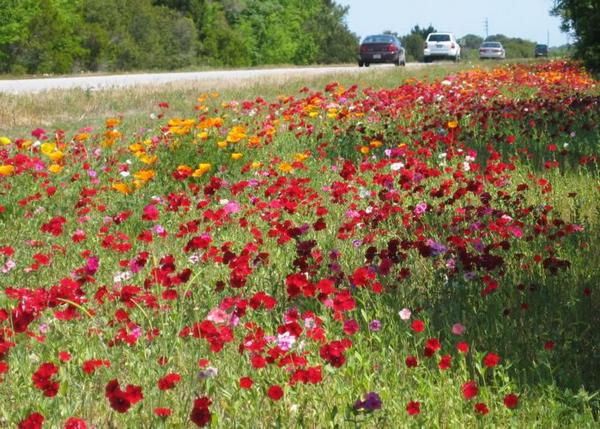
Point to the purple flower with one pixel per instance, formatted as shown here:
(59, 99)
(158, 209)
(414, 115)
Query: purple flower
(375, 325)
(372, 402)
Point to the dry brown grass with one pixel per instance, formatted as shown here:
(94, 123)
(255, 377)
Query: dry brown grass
(75, 108)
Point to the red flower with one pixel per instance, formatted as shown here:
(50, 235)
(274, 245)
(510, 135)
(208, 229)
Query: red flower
(34, 421)
(491, 360)
(432, 346)
(469, 389)
(462, 347)
(481, 408)
(275, 392)
(122, 400)
(411, 361)
(413, 408)
(511, 401)
(246, 382)
(445, 362)
(64, 356)
(200, 413)
(351, 327)
(418, 325)
(75, 423)
(549, 345)
(169, 381)
(162, 412)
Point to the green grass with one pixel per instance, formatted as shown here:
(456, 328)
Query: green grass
(556, 388)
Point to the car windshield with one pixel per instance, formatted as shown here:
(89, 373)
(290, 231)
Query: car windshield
(379, 39)
(491, 45)
(439, 38)
(541, 47)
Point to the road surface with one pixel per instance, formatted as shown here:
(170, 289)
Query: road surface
(22, 86)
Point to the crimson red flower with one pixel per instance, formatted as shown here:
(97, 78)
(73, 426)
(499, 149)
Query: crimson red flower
(275, 392)
(246, 382)
(75, 423)
(413, 408)
(122, 400)
(481, 408)
(411, 361)
(491, 360)
(200, 413)
(162, 412)
(34, 421)
(549, 345)
(351, 327)
(511, 401)
(469, 389)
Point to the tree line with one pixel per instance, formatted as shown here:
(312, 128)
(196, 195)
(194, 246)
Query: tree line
(64, 36)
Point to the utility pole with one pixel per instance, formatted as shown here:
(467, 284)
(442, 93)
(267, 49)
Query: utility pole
(487, 27)
(548, 38)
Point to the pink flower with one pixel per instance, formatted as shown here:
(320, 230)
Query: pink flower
(405, 314)
(458, 329)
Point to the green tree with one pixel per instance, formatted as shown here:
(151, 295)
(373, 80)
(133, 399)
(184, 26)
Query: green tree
(414, 41)
(582, 18)
(469, 46)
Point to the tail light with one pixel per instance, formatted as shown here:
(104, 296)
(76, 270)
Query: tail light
(364, 48)
(452, 45)
(391, 48)
(425, 45)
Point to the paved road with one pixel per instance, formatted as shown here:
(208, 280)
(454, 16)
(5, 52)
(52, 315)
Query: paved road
(102, 82)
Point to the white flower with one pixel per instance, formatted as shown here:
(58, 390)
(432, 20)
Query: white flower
(405, 314)
(124, 173)
(396, 166)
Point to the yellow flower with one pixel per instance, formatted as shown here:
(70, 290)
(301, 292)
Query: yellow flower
(56, 156)
(256, 164)
(112, 122)
(222, 144)
(286, 167)
(144, 175)
(122, 188)
(6, 170)
(299, 157)
(452, 124)
(148, 159)
(81, 137)
(202, 169)
(47, 148)
(254, 141)
(313, 114)
(203, 135)
(136, 147)
(236, 155)
(332, 113)
(5, 141)
(375, 143)
(236, 134)
(364, 150)
(55, 168)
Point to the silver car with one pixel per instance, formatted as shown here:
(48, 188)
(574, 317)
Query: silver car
(491, 50)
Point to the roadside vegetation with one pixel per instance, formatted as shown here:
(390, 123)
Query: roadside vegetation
(383, 250)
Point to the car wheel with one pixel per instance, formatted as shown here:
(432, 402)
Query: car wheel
(360, 64)
(367, 64)
(426, 60)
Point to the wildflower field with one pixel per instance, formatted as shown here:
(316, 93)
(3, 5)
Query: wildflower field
(421, 256)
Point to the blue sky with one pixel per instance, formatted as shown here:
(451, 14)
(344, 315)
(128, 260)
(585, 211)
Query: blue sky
(528, 19)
